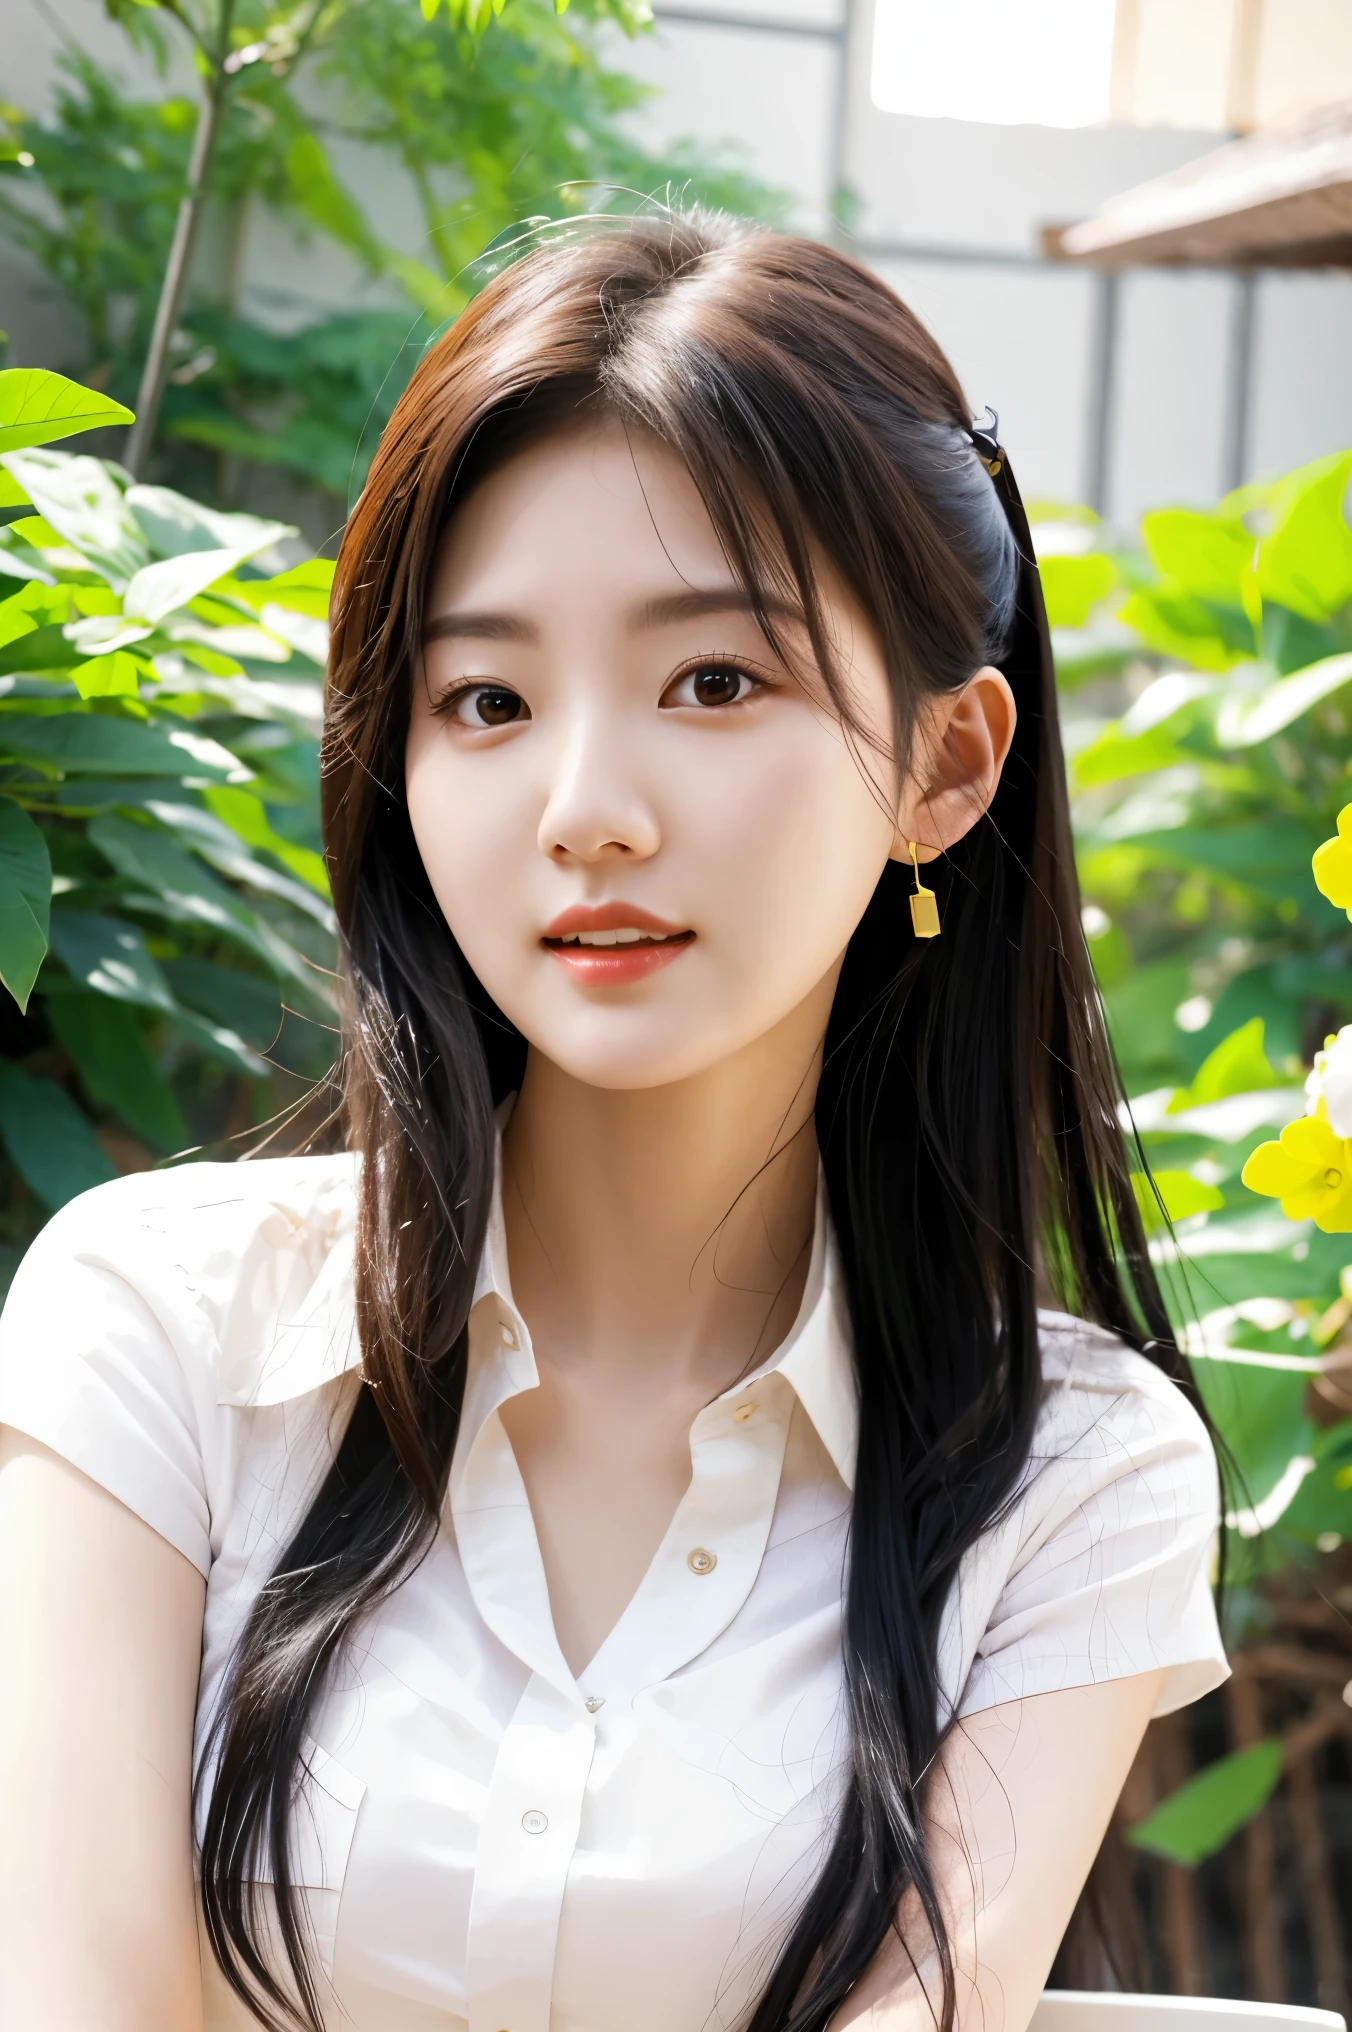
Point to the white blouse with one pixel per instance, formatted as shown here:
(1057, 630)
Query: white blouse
(486, 1843)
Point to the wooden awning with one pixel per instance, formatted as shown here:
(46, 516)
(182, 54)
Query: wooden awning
(1277, 199)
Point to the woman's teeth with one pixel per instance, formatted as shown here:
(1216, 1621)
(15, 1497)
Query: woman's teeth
(626, 935)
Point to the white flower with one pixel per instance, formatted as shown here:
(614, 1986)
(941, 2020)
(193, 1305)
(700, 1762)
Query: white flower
(1331, 1082)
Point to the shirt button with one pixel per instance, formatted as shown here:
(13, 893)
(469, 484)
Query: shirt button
(700, 1561)
(535, 1822)
(508, 1337)
(593, 1702)
(742, 1413)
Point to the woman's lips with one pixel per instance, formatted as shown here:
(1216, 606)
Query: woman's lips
(607, 944)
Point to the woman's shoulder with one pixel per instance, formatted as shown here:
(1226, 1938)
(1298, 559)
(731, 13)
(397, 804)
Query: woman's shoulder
(155, 1313)
(234, 1263)
(1100, 1566)
(1090, 1374)
(199, 1192)
(1110, 1414)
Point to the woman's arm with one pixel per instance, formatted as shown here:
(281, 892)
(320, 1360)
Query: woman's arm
(1017, 1806)
(101, 1640)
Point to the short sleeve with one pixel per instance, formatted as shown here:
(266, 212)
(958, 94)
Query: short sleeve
(1103, 1569)
(96, 1362)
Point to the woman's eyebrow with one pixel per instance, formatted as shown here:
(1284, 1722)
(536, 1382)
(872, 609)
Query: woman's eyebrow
(696, 603)
(480, 627)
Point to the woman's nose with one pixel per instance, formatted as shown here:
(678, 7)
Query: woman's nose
(596, 806)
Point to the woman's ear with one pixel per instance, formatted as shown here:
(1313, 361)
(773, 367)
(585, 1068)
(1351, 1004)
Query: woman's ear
(961, 743)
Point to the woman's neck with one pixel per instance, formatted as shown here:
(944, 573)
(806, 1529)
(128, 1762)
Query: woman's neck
(670, 1226)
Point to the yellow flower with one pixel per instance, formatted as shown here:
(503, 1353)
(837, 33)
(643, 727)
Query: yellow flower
(1332, 864)
(1309, 1170)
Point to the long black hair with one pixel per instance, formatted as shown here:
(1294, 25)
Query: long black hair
(967, 1113)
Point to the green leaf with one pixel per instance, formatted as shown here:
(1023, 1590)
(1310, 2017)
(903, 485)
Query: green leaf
(247, 817)
(305, 589)
(1323, 1502)
(116, 675)
(188, 893)
(322, 198)
(25, 900)
(81, 499)
(117, 1069)
(158, 589)
(1172, 621)
(1181, 1192)
(111, 957)
(102, 744)
(1141, 1015)
(231, 1016)
(172, 525)
(1262, 1418)
(1115, 755)
(1238, 1065)
(43, 648)
(1306, 562)
(36, 406)
(1243, 723)
(1202, 1815)
(1207, 555)
(237, 1001)
(49, 1140)
(1072, 586)
(1272, 858)
(220, 844)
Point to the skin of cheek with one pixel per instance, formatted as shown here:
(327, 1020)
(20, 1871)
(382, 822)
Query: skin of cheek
(755, 826)
(771, 846)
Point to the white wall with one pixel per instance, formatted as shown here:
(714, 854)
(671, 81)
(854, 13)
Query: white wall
(1021, 333)
(783, 87)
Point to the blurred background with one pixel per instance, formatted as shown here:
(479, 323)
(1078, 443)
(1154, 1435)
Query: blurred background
(939, 141)
(1130, 224)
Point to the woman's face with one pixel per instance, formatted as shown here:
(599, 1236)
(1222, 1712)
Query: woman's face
(650, 839)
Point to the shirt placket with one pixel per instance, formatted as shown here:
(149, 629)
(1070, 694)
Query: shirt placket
(530, 1829)
(697, 1583)
(533, 1808)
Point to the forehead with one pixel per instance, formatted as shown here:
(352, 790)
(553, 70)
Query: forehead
(601, 504)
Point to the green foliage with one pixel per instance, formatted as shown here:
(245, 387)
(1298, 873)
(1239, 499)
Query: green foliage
(1167, 1196)
(165, 931)
(36, 407)
(25, 900)
(1226, 647)
(1200, 806)
(1200, 1817)
(488, 115)
(1236, 1066)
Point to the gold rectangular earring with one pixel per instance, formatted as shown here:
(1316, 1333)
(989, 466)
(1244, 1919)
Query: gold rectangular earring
(924, 904)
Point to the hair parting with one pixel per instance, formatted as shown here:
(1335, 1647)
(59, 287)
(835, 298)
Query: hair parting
(967, 1112)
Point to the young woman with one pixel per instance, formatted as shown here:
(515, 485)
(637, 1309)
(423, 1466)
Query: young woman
(635, 1554)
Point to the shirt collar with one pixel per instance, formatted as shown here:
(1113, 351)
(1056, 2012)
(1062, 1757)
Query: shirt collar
(313, 1338)
(815, 1357)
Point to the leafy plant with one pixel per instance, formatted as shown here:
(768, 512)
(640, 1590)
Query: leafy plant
(165, 933)
(1197, 1819)
(488, 118)
(1209, 735)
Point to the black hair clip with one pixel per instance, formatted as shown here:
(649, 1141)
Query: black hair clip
(987, 444)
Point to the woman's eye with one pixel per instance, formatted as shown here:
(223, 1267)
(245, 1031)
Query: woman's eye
(713, 684)
(488, 705)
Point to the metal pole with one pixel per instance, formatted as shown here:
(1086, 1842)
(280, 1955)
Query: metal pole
(1238, 422)
(1102, 415)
